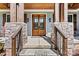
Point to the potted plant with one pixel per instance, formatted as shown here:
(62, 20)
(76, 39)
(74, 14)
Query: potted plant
(1, 47)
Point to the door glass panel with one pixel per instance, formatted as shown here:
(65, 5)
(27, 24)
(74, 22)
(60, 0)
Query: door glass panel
(35, 23)
(41, 21)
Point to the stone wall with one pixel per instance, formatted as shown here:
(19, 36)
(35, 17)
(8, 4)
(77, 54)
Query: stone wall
(67, 29)
(10, 28)
(76, 46)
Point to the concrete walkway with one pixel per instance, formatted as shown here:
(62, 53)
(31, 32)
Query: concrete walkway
(37, 46)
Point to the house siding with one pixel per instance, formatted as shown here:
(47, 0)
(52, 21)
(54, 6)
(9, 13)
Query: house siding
(1, 18)
(78, 21)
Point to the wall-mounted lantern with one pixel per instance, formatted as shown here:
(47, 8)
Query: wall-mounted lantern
(49, 19)
(17, 4)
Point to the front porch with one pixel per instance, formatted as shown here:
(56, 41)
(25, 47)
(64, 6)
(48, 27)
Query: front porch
(21, 38)
(17, 41)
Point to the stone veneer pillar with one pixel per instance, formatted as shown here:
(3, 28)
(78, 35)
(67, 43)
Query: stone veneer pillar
(19, 20)
(64, 18)
(56, 19)
(13, 12)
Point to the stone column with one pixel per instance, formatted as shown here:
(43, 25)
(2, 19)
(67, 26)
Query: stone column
(20, 20)
(56, 19)
(13, 12)
(64, 18)
(20, 12)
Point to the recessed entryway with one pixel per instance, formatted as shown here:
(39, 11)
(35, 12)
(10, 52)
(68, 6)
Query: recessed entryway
(38, 24)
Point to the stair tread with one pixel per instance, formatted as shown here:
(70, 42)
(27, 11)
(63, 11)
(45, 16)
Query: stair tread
(37, 52)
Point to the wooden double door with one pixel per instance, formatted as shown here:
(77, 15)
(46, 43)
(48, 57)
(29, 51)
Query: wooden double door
(38, 24)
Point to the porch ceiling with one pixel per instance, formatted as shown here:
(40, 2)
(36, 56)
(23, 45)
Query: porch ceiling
(4, 6)
(73, 5)
(38, 5)
(48, 5)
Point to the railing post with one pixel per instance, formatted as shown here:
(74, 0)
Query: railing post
(14, 46)
(20, 39)
(19, 43)
(55, 32)
(65, 46)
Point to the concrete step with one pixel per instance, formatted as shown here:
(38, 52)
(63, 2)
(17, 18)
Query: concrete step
(36, 42)
(37, 46)
(37, 52)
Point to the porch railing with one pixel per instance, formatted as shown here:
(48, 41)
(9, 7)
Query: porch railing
(17, 42)
(62, 47)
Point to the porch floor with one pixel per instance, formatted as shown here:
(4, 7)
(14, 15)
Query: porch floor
(37, 46)
(37, 42)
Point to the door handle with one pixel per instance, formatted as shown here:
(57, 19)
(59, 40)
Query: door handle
(39, 25)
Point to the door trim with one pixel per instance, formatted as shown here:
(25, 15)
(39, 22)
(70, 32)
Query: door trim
(45, 22)
(4, 19)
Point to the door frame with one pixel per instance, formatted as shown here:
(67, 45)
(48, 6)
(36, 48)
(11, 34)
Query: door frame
(45, 22)
(72, 17)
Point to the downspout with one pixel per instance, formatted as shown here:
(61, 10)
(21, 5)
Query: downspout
(17, 4)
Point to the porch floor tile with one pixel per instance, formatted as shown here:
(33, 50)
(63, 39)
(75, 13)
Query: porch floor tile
(36, 42)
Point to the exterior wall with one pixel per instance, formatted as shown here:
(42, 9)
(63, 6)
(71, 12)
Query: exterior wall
(48, 24)
(78, 21)
(1, 17)
(71, 13)
(10, 28)
(1, 20)
(67, 29)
